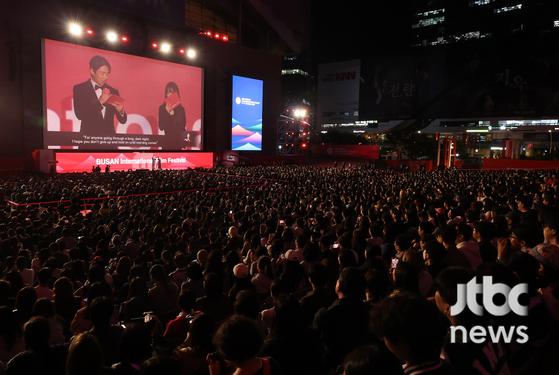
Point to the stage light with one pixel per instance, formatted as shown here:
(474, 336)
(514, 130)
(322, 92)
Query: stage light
(154, 45)
(75, 29)
(208, 33)
(216, 35)
(89, 32)
(181, 51)
(300, 113)
(124, 38)
(225, 38)
(191, 53)
(111, 36)
(303, 145)
(165, 47)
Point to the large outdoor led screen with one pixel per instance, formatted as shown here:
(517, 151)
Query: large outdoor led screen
(246, 134)
(104, 100)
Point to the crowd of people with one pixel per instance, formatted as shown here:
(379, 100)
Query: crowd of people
(274, 270)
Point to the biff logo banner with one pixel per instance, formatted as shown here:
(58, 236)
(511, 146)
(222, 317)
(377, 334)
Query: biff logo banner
(467, 299)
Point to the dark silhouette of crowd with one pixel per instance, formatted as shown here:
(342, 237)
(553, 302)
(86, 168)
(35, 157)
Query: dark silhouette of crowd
(273, 270)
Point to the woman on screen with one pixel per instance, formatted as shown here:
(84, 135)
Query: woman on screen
(172, 118)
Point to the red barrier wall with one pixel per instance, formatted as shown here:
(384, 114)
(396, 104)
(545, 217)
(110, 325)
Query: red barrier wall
(353, 151)
(519, 164)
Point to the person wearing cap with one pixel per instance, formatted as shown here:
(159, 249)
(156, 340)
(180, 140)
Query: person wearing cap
(294, 255)
(241, 280)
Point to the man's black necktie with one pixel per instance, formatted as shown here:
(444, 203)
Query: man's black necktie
(97, 87)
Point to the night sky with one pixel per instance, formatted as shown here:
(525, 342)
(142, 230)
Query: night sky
(352, 29)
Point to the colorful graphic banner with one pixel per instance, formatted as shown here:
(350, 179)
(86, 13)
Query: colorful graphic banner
(246, 133)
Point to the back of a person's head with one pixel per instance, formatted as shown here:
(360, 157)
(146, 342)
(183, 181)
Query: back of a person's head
(351, 283)
(465, 231)
(44, 276)
(63, 288)
(346, 258)
(377, 283)
(403, 242)
(137, 288)
(98, 290)
(43, 307)
(318, 275)
(414, 258)
(85, 356)
(526, 268)
(212, 285)
(194, 271)
(370, 360)
(100, 312)
(200, 333)
(157, 273)
(247, 304)
(435, 251)
(485, 229)
(411, 322)
(187, 301)
(406, 277)
(159, 365)
(25, 299)
(238, 339)
(448, 234)
(180, 260)
(426, 227)
(289, 321)
(135, 343)
(36, 333)
(22, 262)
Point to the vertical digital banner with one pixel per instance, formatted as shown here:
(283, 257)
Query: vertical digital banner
(246, 133)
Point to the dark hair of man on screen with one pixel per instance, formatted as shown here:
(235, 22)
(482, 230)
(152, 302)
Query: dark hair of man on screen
(98, 61)
(172, 87)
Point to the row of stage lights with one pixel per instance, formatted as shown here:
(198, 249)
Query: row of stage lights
(76, 30)
(211, 35)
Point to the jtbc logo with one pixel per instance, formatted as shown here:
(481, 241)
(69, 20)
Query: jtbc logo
(467, 296)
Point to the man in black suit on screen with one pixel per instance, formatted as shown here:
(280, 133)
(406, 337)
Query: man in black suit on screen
(91, 101)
